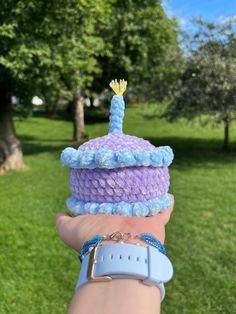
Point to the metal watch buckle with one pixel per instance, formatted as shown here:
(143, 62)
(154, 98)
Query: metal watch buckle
(91, 266)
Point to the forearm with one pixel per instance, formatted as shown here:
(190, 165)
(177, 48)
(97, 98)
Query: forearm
(120, 296)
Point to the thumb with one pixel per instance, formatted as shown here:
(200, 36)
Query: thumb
(165, 215)
(61, 219)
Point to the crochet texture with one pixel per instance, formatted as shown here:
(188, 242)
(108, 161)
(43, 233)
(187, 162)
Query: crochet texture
(118, 173)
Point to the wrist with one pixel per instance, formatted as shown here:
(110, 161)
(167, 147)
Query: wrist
(125, 260)
(121, 277)
(142, 239)
(117, 296)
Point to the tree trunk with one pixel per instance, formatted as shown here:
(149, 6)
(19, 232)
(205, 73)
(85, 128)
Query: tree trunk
(11, 156)
(79, 129)
(226, 135)
(91, 102)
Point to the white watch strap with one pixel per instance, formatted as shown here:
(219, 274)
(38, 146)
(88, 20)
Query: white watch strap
(123, 260)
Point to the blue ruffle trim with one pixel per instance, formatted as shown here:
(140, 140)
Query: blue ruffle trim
(147, 208)
(105, 158)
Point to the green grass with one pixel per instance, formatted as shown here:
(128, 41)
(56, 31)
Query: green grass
(38, 273)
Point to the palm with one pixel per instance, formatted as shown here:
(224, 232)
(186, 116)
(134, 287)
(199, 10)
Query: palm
(75, 231)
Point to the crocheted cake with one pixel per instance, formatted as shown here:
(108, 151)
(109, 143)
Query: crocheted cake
(118, 174)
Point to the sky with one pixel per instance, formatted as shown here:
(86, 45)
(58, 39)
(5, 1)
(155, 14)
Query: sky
(210, 10)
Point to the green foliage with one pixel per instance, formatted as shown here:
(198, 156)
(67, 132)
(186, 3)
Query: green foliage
(39, 273)
(49, 48)
(52, 48)
(209, 81)
(143, 48)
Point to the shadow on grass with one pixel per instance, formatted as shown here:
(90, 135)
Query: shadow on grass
(34, 145)
(91, 115)
(188, 152)
(191, 152)
(30, 138)
(34, 148)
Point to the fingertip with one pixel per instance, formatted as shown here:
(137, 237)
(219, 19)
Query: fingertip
(60, 214)
(61, 217)
(165, 215)
(171, 208)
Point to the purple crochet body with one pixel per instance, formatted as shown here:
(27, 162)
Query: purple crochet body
(117, 142)
(132, 184)
(117, 173)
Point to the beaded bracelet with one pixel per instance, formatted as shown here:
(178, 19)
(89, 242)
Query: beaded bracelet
(121, 237)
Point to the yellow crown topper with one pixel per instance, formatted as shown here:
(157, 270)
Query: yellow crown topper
(118, 87)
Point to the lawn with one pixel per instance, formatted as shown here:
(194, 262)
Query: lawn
(38, 273)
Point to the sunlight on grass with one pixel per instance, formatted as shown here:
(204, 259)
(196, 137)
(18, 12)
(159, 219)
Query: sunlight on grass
(38, 273)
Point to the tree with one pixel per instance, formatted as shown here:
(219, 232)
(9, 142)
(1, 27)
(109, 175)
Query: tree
(208, 88)
(49, 49)
(142, 47)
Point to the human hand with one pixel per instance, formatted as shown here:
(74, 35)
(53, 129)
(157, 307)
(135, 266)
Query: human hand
(142, 298)
(74, 231)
